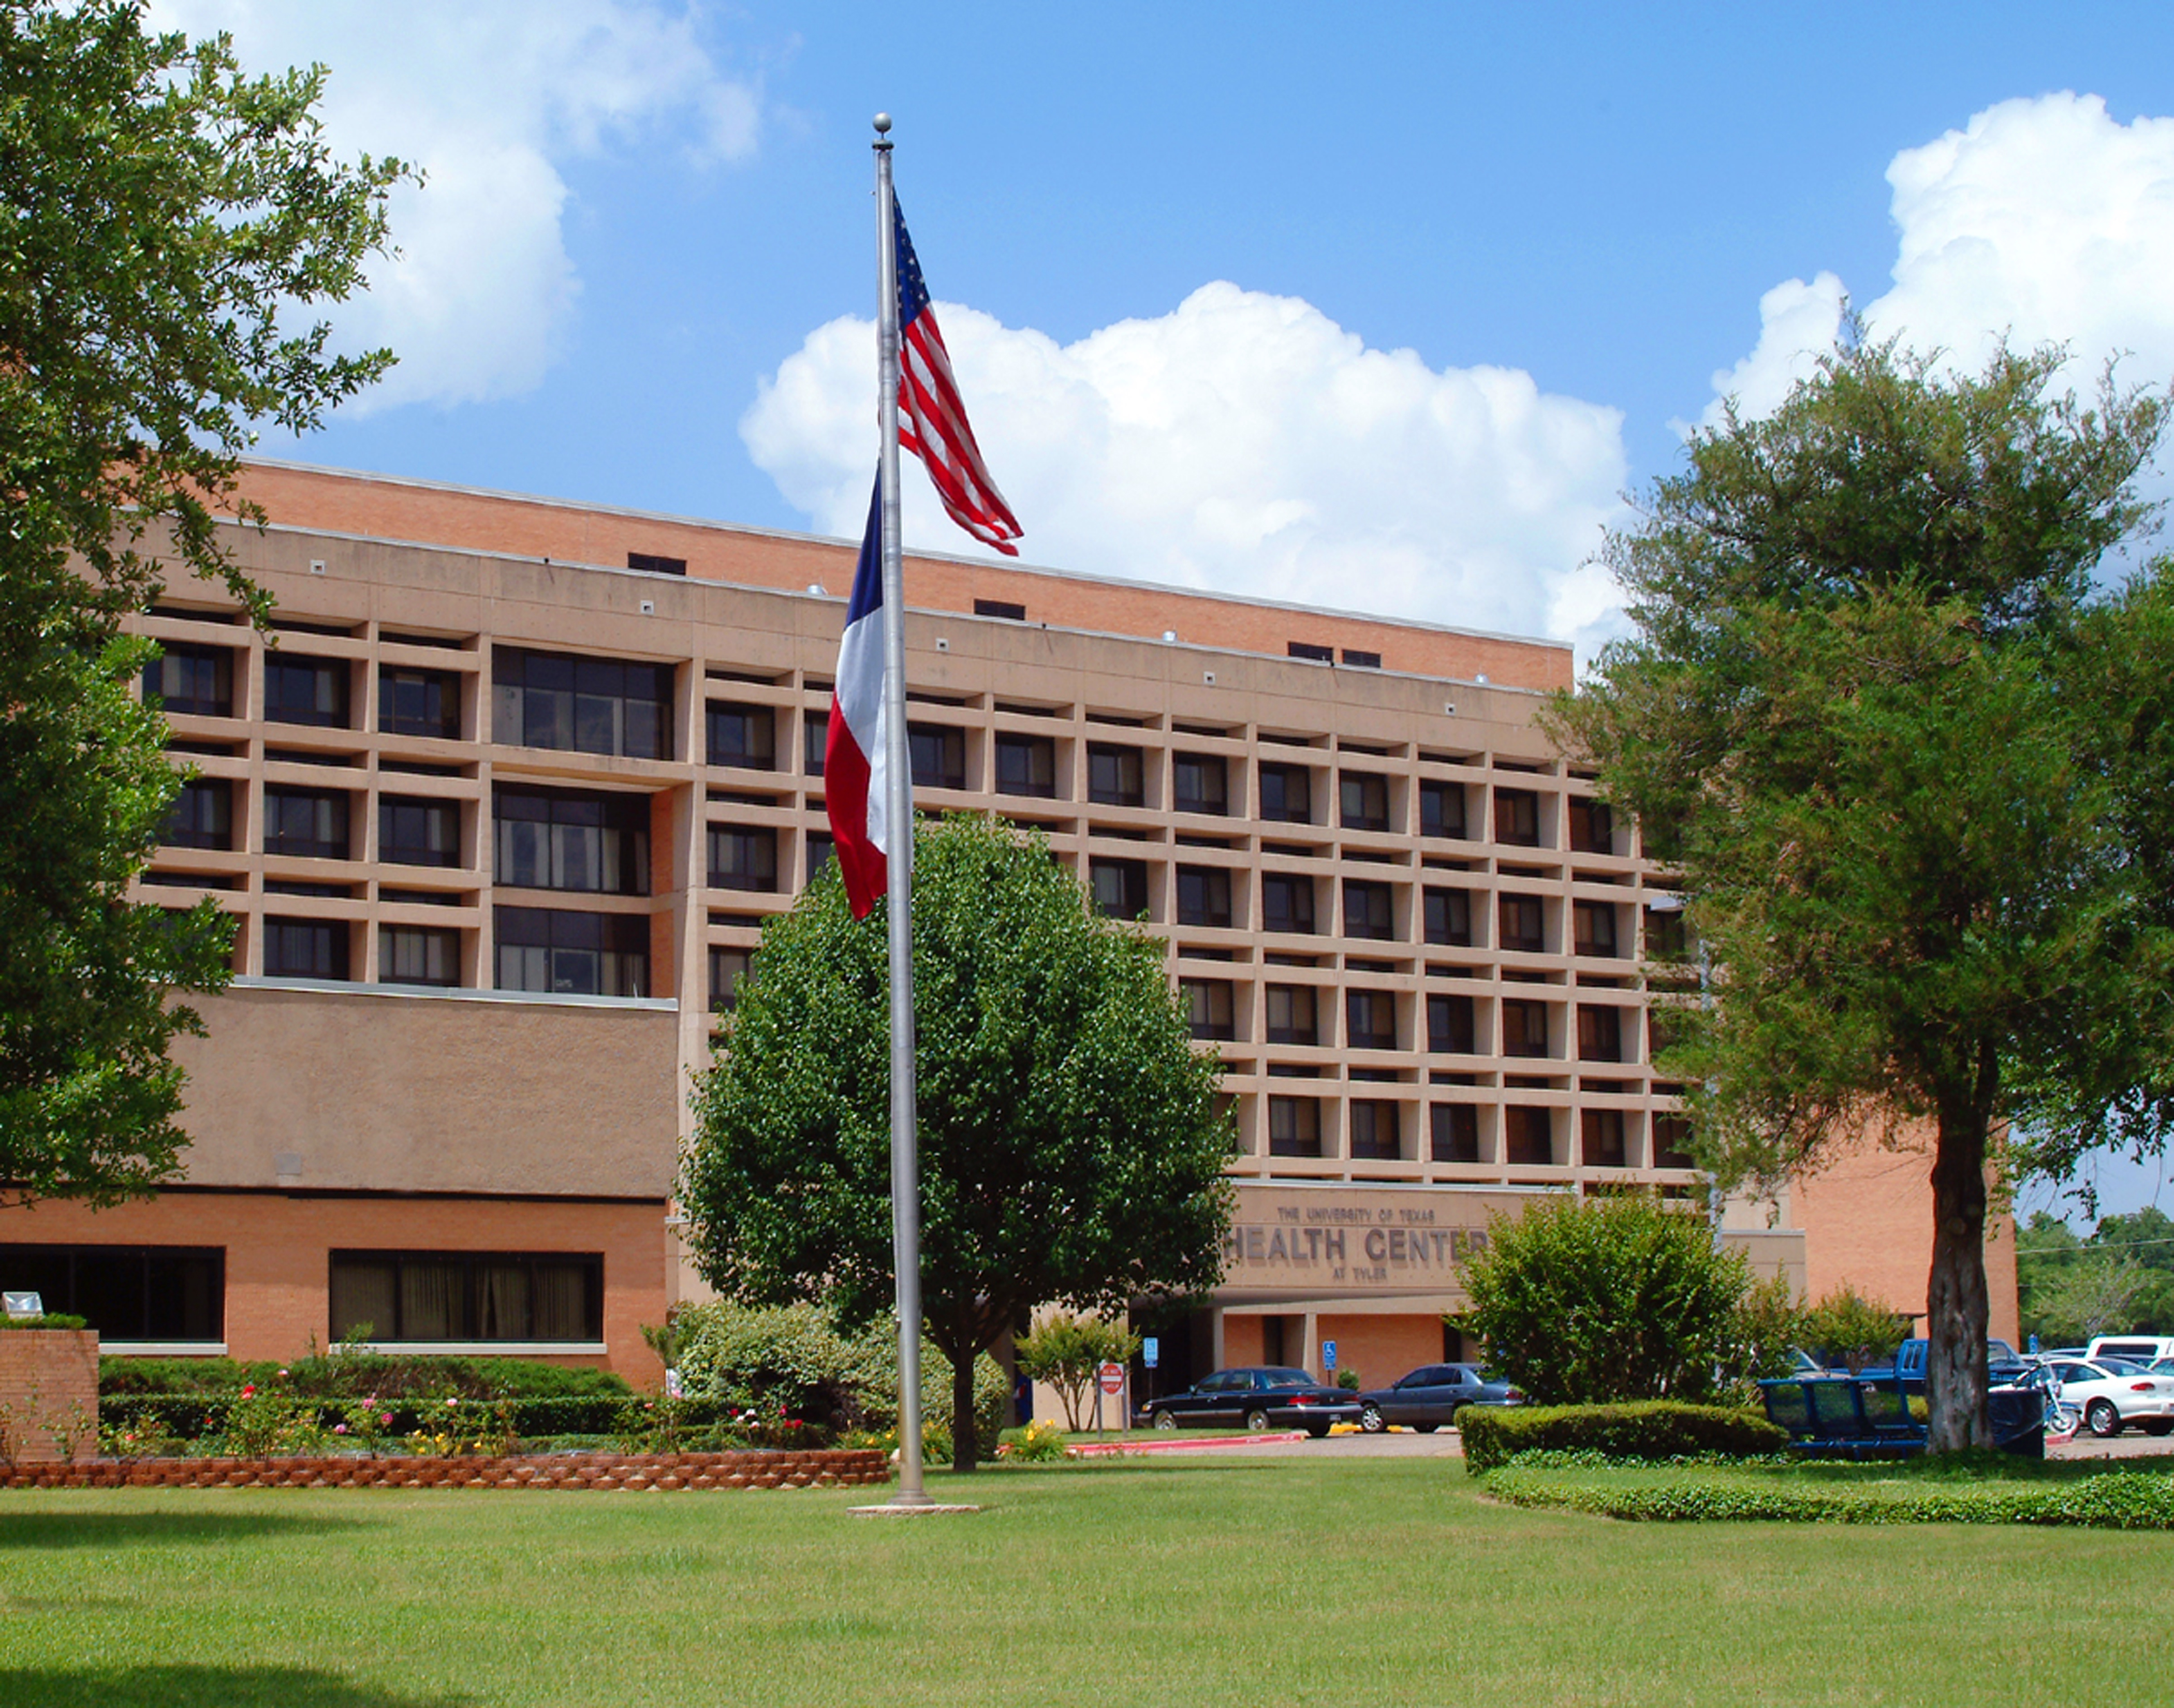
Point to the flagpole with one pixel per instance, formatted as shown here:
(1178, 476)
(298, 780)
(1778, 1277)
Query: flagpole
(898, 857)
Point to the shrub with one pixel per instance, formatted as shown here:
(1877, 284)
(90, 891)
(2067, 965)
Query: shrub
(347, 1375)
(1066, 1352)
(1640, 1430)
(51, 1319)
(1035, 1444)
(1596, 1300)
(1845, 1329)
(167, 1375)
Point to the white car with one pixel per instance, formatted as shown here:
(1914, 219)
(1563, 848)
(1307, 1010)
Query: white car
(2111, 1395)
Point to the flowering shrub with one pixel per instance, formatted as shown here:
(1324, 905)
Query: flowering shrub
(1037, 1443)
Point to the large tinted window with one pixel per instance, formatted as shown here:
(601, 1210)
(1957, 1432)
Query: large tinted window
(589, 706)
(312, 823)
(1114, 775)
(305, 690)
(1441, 809)
(468, 1296)
(126, 1292)
(1200, 783)
(938, 752)
(743, 735)
(564, 839)
(419, 955)
(1119, 887)
(1026, 765)
(305, 949)
(1204, 895)
(1448, 917)
(203, 815)
(192, 681)
(1286, 794)
(1368, 909)
(411, 701)
(413, 830)
(1364, 800)
(589, 954)
(1286, 902)
(743, 857)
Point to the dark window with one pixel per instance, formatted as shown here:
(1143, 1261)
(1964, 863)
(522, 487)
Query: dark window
(1114, 775)
(1441, 809)
(1528, 1136)
(1368, 910)
(1204, 895)
(311, 823)
(415, 831)
(575, 705)
(743, 857)
(1668, 934)
(1200, 783)
(1000, 608)
(418, 702)
(1286, 794)
(1452, 1029)
(1599, 1033)
(1370, 1019)
(1601, 1137)
(419, 955)
(1593, 927)
(1455, 1135)
(305, 949)
(1374, 1129)
(938, 754)
(822, 849)
(126, 1292)
(1208, 1007)
(1026, 765)
(1119, 887)
(743, 735)
(468, 1296)
(1517, 818)
(655, 565)
(1364, 800)
(1524, 1027)
(305, 690)
(728, 970)
(203, 815)
(1312, 650)
(1294, 1126)
(1664, 1030)
(1524, 924)
(1286, 902)
(562, 839)
(1672, 1142)
(1294, 1015)
(1592, 827)
(1448, 917)
(591, 954)
(192, 681)
(814, 738)
(1364, 659)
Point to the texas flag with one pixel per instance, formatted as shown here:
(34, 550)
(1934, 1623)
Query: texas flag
(853, 762)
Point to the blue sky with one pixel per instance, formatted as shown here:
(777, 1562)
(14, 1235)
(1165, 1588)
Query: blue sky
(1379, 307)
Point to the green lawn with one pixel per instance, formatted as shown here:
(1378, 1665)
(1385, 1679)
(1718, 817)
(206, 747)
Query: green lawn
(1311, 1580)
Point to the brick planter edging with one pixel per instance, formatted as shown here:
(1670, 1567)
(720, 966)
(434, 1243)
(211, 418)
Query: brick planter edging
(828, 1468)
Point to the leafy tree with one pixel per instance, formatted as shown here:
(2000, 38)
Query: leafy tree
(2119, 1280)
(165, 216)
(1582, 1301)
(2096, 1293)
(1071, 1151)
(1068, 1353)
(1855, 1330)
(1875, 713)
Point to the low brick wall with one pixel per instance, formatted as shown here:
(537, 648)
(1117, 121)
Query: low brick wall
(830, 1469)
(48, 1395)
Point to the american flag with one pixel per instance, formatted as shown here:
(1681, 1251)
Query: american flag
(933, 424)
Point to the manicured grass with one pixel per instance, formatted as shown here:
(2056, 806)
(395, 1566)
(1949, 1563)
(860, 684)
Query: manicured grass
(1308, 1580)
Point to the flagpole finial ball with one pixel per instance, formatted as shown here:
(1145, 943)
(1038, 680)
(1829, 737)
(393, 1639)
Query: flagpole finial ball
(882, 124)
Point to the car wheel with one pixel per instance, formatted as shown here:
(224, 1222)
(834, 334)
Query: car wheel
(2159, 1426)
(1166, 1420)
(1256, 1421)
(2104, 1420)
(1371, 1420)
(1318, 1431)
(1426, 1429)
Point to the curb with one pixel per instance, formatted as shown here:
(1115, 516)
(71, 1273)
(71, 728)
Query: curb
(1106, 1449)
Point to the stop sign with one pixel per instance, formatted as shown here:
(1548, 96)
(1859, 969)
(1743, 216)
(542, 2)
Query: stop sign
(1112, 1377)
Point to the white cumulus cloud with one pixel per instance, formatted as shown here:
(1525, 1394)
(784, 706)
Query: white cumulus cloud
(488, 97)
(2041, 221)
(1242, 443)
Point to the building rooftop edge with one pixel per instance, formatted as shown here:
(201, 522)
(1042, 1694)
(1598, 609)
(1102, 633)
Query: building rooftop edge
(751, 531)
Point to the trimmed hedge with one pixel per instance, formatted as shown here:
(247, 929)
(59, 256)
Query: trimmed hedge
(1639, 1430)
(51, 1319)
(192, 1416)
(353, 1375)
(2111, 1499)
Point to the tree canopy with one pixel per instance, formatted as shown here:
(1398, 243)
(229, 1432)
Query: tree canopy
(164, 221)
(1867, 714)
(1072, 1152)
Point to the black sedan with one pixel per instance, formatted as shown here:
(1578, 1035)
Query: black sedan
(1429, 1396)
(1256, 1400)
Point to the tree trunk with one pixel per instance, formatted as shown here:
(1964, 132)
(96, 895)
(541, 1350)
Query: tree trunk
(1955, 1298)
(963, 1444)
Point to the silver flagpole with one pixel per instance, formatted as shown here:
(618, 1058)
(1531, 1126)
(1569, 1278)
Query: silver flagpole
(898, 826)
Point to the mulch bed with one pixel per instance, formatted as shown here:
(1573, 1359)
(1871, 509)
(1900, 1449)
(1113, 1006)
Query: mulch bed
(829, 1468)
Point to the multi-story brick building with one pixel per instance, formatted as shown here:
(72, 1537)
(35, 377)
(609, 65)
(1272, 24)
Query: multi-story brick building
(501, 805)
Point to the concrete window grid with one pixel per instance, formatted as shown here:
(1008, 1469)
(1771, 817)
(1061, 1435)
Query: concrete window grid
(785, 797)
